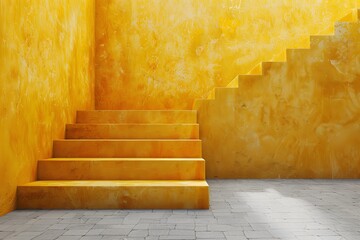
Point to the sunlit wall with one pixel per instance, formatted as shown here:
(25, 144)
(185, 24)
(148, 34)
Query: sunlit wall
(300, 119)
(156, 54)
(46, 73)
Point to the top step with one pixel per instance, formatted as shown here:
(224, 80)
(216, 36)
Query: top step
(137, 116)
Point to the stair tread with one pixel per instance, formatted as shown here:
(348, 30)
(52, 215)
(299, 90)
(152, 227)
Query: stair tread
(135, 110)
(116, 183)
(121, 169)
(123, 159)
(129, 140)
(137, 116)
(126, 148)
(114, 194)
(132, 131)
(133, 124)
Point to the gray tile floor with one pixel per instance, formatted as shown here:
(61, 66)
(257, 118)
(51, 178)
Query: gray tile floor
(240, 209)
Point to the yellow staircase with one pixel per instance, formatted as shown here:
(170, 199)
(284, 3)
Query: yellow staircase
(133, 159)
(294, 118)
(302, 44)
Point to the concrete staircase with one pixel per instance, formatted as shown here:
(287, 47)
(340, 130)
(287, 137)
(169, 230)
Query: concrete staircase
(304, 43)
(293, 118)
(351, 21)
(123, 160)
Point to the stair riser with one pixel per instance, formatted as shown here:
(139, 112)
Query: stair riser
(136, 117)
(121, 170)
(113, 148)
(149, 197)
(331, 41)
(132, 131)
(223, 94)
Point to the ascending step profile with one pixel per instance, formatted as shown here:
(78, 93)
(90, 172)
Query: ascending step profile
(122, 159)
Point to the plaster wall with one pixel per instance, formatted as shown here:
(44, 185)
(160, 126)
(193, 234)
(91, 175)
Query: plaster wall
(46, 74)
(158, 54)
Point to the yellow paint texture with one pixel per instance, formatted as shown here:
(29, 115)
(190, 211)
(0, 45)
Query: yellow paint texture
(46, 73)
(158, 54)
(300, 119)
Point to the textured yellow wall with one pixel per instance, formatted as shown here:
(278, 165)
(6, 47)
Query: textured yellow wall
(156, 54)
(46, 73)
(301, 119)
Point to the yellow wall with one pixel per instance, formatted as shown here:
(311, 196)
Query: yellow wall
(46, 73)
(155, 54)
(301, 119)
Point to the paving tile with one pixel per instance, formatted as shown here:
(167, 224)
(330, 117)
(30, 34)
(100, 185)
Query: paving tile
(116, 232)
(113, 238)
(29, 234)
(50, 235)
(75, 232)
(69, 238)
(139, 233)
(176, 237)
(182, 233)
(158, 232)
(5, 234)
(91, 238)
(59, 226)
(185, 226)
(209, 235)
(94, 232)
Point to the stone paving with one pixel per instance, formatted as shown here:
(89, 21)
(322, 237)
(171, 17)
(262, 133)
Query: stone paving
(240, 209)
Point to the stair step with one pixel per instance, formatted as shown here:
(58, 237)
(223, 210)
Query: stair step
(137, 131)
(201, 103)
(256, 70)
(121, 169)
(234, 82)
(342, 33)
(226, 94)
(137, 116)
(113, 195)
(293, 55)
(254, 86)
(353, 16)
(267, 67)
(320, 40)
(246, 81)
(182, 148)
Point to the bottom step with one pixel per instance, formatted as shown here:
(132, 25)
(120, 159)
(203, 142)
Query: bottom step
(113, 195)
